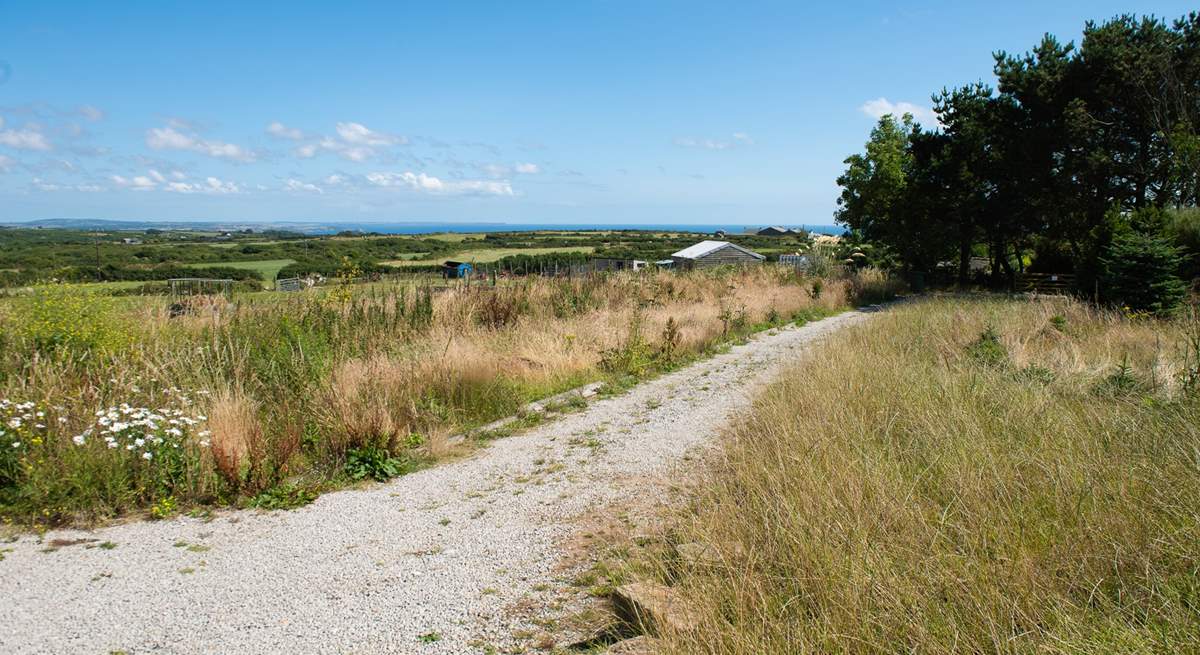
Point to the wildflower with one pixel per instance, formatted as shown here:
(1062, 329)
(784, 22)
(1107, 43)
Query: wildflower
(79, 439)
(16, 444)
(139, 442)
(147, 455)
(204, 443)
(62, 419)
(14, 422)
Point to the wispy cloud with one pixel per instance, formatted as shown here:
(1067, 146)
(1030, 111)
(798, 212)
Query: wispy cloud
(735, 140)
(880, 107)
(429, 184)
(178, 136)
(90, 113)
(292, 184)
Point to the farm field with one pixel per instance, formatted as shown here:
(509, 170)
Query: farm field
(268, 269)
(487, 255)
(30, 257)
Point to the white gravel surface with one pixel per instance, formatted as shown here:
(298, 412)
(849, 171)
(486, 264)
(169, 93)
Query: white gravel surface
(449, 551)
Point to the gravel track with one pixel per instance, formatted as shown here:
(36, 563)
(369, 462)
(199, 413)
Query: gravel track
(448, 552)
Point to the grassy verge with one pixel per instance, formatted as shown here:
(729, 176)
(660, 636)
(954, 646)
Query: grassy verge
(959, 476)
(112, 406)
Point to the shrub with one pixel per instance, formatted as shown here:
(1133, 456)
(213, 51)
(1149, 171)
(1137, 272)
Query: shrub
(375, 463)
(1140, 273)
(987, 349)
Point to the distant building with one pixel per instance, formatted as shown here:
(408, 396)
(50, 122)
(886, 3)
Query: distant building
(455, 270)
(708, 254)
(609, 264)
(777, 231)
(720, 234)
(129, 241)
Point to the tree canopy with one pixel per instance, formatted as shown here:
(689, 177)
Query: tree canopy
(1056, 159)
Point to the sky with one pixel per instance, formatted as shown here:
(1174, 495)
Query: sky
(652, 111)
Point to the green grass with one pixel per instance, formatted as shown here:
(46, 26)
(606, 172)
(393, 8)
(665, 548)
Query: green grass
(267, 268)
(484, 255)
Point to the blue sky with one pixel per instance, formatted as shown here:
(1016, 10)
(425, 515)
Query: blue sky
(576, 112)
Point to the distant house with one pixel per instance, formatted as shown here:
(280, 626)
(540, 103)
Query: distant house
(707, 254)
(129, 241)
(777, 231)
(455, 270)
(720, 234)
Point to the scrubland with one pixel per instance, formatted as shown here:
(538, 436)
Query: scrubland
(958, 475)
(111, 406)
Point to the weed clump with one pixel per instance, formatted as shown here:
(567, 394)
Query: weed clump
(988, 350)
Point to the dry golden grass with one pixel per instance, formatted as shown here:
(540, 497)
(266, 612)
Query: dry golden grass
(236, 434)
(292, 382)
(895, 493)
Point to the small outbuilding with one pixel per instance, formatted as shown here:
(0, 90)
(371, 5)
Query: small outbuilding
(454, 270)
(708, 254)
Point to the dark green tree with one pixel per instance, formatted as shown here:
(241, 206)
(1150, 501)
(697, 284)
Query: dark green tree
(1140, 273)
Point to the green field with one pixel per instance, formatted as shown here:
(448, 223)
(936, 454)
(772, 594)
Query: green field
(267, 268)
(483, 255)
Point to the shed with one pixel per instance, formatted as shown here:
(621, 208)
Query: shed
(454, 270)
(707, 254)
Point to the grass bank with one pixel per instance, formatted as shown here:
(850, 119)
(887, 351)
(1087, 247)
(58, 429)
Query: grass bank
(111, 406)
(959, 475)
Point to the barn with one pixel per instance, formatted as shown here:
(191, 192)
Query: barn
(455, 270)
(708, 254)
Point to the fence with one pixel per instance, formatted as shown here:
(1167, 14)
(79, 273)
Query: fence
(1060, 284)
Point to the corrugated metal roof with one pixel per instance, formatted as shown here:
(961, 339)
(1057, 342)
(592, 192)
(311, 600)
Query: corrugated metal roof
(705, 247)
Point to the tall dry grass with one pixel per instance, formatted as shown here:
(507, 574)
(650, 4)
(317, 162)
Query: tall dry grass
(905, 489)
(293, 383)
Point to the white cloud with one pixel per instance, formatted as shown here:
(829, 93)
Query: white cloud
(880, 107)
(210, 185)
(736, 139)
(6, 164)
(504, 170)
(29, 137)
(424, 183)
(359, 134)
(138, 183)
(171, 138)
(292, 184)
(335, 180)
(281, 131)
(175, 183)
(354, 141)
